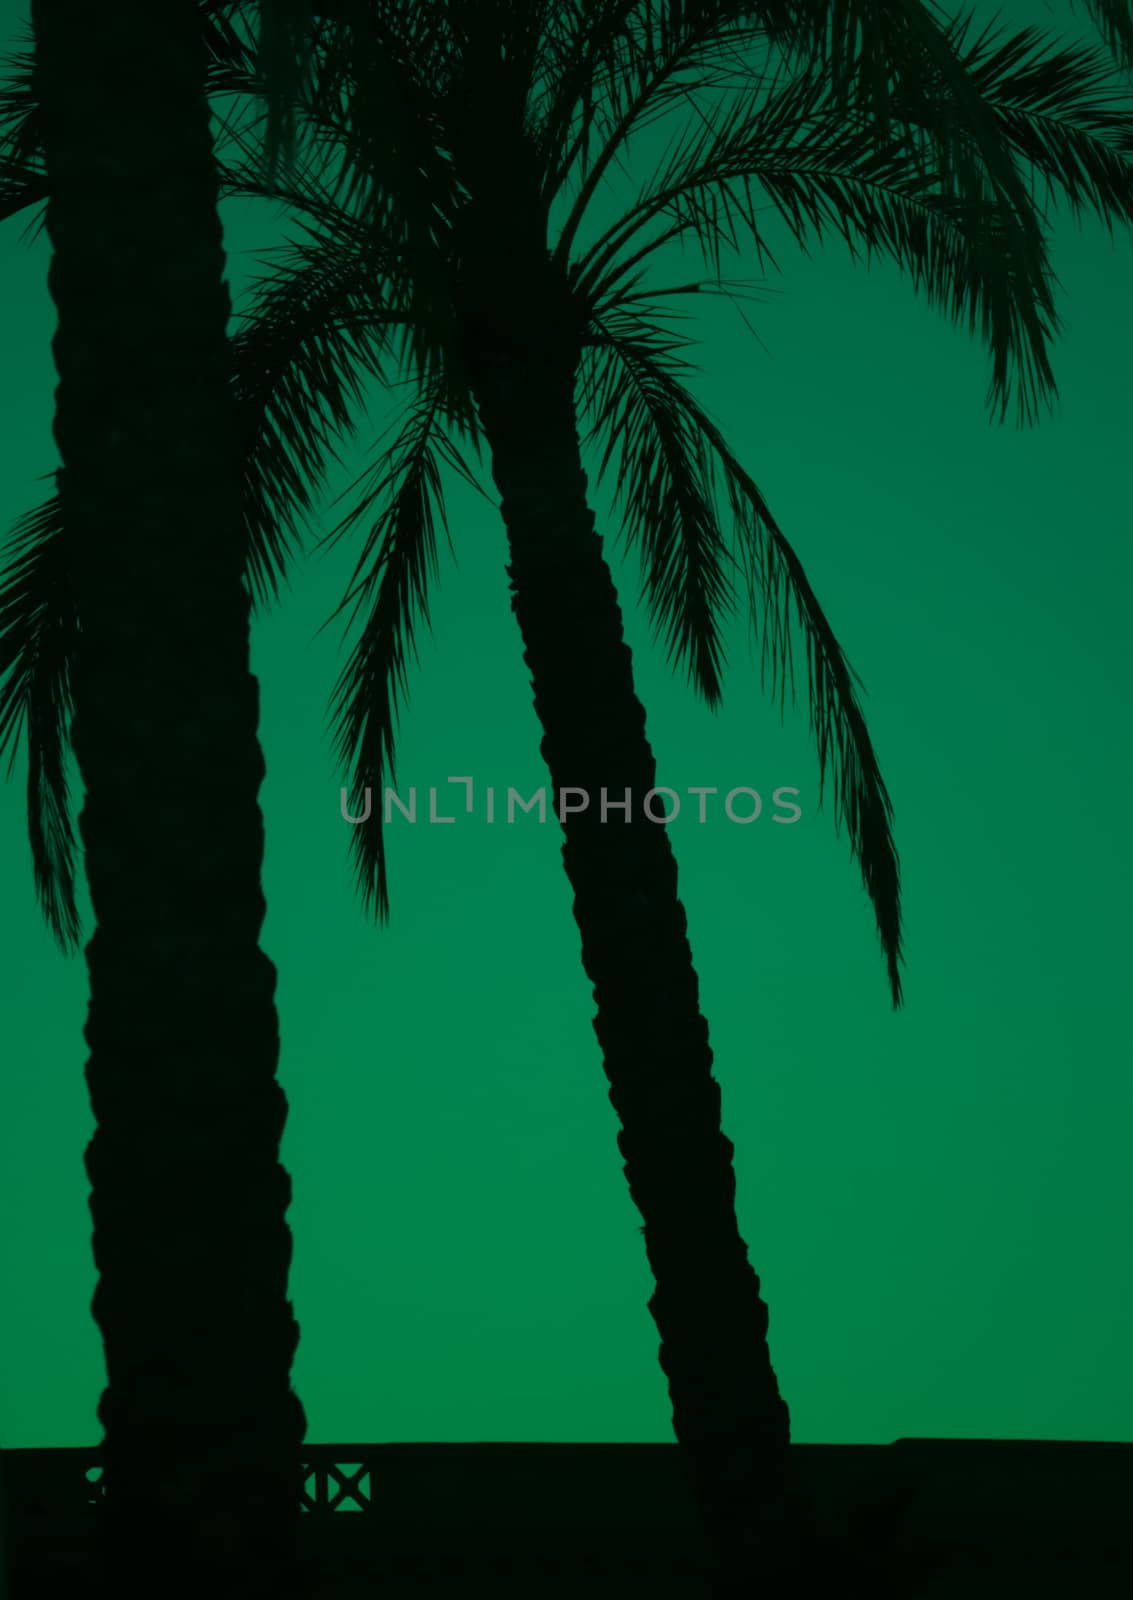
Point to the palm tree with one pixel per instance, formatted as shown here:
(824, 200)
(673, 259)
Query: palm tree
(203, 1433)
(453, 127)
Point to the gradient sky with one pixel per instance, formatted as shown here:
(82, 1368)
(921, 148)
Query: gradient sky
(933, 1199)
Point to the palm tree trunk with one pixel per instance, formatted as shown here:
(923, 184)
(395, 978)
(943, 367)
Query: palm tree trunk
(728, 1415)
(188, 1198)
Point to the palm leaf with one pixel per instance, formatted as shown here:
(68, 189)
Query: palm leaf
(629, 65)
(23, 182)
(664, 487)
(898, 72)
(1065, 114)
(377, 108)
(311, 334)
(589, 49)
(822, 174)
(777, 586)
(37, 640)
(1114, 21)
(391, 582)
(285, 58)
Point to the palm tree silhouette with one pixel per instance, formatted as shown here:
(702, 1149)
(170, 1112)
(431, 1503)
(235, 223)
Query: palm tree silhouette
(454, 127)
(203, 1433)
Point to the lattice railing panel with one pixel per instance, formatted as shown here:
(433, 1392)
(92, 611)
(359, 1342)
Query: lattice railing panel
(332, 1485)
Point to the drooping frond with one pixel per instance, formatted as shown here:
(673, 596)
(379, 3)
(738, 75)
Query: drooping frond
(908, 59)
(23, 180)
(977, 121)
(37, 640)
(874, 52)
(632, 59)
(664, 489)
(314, 329)
(1114, 21)
(587, 46)
(224, 43)
(376, 112)
(1064, 113)
(285, 59)
(20, 135)
(391, 583)
(824, 175)
(630, 65)
(777, 587)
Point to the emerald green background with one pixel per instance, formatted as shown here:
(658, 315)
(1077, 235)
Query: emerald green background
(936, 1200)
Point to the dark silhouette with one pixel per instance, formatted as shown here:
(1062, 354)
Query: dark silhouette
(1017, 1519)
(201, 1455)
(458, 125)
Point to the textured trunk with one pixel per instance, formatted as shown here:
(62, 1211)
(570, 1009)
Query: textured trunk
(188, 1199)
(728, 1415)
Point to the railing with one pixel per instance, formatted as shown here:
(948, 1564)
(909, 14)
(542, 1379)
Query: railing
(483, 1515)
(627, 1508)
(64, 1486)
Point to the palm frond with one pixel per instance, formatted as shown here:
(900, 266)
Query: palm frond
(38, 629)
(391, 580)
(583, 48)
(870, 52)
(313, 331)
(889, 67)
(23, 181)
(821, 173)
(633, 68)
(663, 487)
(20, 135)
(1114, 21)
(910, 52)
(377, 111)
(285, 59)
(1065, 113)
(777, 586)
(225, 45)
(303, 186)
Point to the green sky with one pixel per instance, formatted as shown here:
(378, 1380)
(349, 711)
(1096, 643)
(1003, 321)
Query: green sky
(932, 1198)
